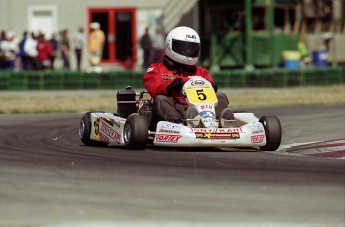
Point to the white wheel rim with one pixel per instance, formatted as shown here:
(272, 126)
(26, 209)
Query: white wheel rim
(127, 133)
(81, 129)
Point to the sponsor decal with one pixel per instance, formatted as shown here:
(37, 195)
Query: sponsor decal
(206, 107)
(218, 141)
(168, 77)
(197, 83)
(171, 126)
(169, 131)
(256, 126)
(103, 137)
(149, 69)
(190, 36)
(207, 114)
(168, 138)
(107, 120)
(208, 120)
(96, 126)
(109, 132)
(96, 129)
(234, 135)
(258, 131)
(218, 130)
(258, 139)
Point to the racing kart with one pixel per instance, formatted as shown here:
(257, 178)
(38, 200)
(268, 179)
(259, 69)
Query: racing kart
(132, 125)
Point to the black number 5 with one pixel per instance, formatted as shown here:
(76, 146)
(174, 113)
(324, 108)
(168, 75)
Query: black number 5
(201, 94)
(96, 125)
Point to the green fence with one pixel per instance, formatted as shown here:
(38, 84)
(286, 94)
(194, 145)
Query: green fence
(62, 80)
(231, 50)
(280, 77)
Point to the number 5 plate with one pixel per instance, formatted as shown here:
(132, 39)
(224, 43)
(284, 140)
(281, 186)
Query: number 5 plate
(201, 95)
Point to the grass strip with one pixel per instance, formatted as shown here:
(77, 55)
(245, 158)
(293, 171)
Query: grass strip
(105, 100)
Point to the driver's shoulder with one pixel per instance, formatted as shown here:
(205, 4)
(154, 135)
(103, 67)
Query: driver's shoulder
(200, 71)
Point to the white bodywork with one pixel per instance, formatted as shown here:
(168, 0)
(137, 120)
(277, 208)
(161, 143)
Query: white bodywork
(106, 127)
(177, 135)
(249, 132)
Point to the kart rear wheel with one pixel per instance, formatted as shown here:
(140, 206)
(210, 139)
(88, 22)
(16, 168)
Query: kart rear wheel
(273, 132)
(135, 132)
(85, 132)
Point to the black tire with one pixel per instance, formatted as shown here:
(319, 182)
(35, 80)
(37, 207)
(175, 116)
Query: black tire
(85, 131)
(135, 132)
(273, 132)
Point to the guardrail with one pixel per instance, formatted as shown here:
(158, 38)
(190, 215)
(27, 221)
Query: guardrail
(62, 80)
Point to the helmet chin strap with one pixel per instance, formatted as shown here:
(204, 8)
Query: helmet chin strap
(178, 67)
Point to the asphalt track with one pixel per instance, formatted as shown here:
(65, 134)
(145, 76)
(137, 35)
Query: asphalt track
(48, 178)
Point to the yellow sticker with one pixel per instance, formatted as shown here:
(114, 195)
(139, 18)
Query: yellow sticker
(96, 126)
(201, 95)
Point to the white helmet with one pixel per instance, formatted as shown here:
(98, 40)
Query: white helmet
(183, 45)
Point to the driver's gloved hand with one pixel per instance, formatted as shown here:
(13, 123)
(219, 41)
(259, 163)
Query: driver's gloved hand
(176, 86)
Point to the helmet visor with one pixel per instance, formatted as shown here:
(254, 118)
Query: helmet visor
(188, 49)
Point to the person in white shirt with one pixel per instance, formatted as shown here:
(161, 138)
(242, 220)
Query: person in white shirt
(9, 50)
(30, 48)
(158, 45)
(79, 42)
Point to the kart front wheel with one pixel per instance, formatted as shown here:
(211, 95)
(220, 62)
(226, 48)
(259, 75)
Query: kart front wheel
(135, 132)
(85, 132)
(273, 132)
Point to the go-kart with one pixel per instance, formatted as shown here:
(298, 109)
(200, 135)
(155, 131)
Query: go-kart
(132, 125)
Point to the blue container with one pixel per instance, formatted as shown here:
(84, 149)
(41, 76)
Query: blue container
(320, 58)
(291, 64)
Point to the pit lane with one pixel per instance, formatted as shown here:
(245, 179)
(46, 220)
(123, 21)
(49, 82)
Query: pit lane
(48, 178)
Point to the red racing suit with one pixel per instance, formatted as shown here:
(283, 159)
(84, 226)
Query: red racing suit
(158, 77)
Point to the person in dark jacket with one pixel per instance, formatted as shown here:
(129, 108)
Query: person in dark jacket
(146, 45)
(55, 45)
(25, 60)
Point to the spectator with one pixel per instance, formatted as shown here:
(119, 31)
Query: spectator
(25, 61)
(2, 35)
(79, 43)
(96, 43)
(30, 47)
(55, 45)
(65, 49)
(158, 44)
(10, 50)
(146, 45)
(2, 38)
(45, 51)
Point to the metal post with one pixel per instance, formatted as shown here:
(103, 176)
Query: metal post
(249, 35)
(270, 23)
(214, 66)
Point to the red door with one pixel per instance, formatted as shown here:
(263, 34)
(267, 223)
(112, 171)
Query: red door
(118, 25)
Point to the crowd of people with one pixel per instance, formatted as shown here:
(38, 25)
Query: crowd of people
(35, 51)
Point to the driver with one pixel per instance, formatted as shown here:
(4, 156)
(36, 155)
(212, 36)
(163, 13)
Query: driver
(164, 81)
